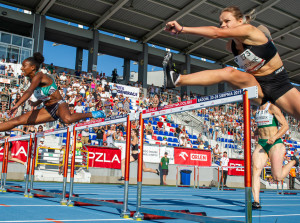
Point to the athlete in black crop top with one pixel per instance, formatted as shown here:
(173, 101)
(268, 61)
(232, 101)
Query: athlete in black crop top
(254, 51)
(135, 154)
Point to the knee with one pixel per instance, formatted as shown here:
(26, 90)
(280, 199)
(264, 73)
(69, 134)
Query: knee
(229, 73)
(66, 119)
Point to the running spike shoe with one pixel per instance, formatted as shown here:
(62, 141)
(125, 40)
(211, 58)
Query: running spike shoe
(170, 71)
(256, 205)
(157, 172)
(98, 114)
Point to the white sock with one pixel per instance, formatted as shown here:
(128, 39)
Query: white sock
(176, 82)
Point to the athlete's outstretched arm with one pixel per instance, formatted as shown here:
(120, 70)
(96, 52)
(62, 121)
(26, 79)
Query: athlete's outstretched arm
(34, 84)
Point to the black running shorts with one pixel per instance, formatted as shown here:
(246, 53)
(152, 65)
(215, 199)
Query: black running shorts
(274, 85)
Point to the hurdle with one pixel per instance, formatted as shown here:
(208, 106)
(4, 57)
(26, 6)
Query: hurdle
(5, 187)
(222, 169)
(81, 201)
(198, 176)
(213, 100)
(29, 191)
(195, 168)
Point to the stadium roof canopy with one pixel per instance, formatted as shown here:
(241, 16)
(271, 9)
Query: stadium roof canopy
(144, 20)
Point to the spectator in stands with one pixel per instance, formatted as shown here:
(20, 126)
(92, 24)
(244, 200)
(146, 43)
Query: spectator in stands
(188, 144)
(85, 136)
(106, 88)
(10, 71)
(224, 170)
(107, 105)
(205, 128)
(169, 118)
(114, 90)
(111, 136)
(127, 105)
(119, 135)
(160, 125)
(149, 129)
(164, 163)
(13, 59)
(134, 155)
(164, 142)
(216, 153)
(99, 134)
(115, 108)
(78, 73)
(114, 76)
(2, 68)
(182, 140)
(44, 70)
(201, 145)
(178, 131)
(50, 68)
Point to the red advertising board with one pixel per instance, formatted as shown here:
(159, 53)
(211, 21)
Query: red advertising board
(104, 157)
(194, 157)
(236, 171)
(18, 150)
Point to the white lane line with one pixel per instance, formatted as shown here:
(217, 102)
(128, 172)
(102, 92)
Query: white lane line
(71, 220)
(34, 205)
(259, 216)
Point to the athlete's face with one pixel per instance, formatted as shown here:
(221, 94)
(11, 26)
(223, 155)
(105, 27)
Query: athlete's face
(227, 20)
(27, 68)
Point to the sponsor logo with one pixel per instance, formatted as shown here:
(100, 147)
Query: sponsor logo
(237, 165)
(199, 157)
(102, 157)
(183, 155)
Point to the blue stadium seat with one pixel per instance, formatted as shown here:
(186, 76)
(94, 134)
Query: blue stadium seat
(166, 133)
(154, 123)
(195, 147)
(170, 144)
(175, 140)
(160, 138)
(171, 134)
(173, 125)
(222, 140)
(155, 132)
(150, 121)
(194, 137)
(160, 133)
(145, 121)
(156, 119)
(170, 140)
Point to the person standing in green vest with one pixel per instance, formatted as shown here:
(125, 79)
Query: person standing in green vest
(164, 163)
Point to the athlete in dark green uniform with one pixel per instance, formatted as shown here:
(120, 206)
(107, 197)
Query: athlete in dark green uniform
(270, 145)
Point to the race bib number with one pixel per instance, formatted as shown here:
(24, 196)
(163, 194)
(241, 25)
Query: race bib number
(248, 61)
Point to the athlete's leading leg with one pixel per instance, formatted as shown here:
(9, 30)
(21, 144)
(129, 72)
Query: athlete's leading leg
(65, 115)
(237, 79)
(30, 118)
(276, 155)
(259, 160)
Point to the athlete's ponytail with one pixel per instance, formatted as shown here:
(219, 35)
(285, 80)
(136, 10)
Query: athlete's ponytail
(36, 60)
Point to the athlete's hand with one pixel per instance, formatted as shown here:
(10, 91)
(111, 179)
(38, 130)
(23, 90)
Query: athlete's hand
(12, 111)
(271, 140)
(173, 27)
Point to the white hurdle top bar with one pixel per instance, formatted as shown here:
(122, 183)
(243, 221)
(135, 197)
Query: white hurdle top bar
(202, 102)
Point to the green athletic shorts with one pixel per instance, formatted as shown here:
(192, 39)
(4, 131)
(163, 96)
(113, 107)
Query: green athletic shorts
(266, 146)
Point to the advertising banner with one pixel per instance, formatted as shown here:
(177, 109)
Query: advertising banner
(127, 91)
(104, 157)
(236, 171)
(18, 150)
(193, 157)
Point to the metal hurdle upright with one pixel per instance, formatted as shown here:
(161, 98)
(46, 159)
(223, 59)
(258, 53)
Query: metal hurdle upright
(213, 100)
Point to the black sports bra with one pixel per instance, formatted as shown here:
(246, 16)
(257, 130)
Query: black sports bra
(135, 147)
(254, 57)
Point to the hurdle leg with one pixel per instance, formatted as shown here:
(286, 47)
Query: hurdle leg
(33, 158)
(63, 201)
(125, 213)
(138, 215)
(4, 166)
(26, 194)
